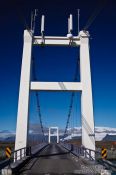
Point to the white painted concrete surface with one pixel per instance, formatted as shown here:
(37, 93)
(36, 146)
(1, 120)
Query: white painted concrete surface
(56, 86)
(22, 115)
(88, 138)
(50, 135)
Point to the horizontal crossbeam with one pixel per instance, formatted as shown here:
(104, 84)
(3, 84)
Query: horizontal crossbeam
(57, 41)
(56, 86)
(53, 127)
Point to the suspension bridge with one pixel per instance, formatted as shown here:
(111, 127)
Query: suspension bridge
(60, 157)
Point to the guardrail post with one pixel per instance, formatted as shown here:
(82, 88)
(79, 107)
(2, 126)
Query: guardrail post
(85, 153)
(28, 151)
(79, 151)
(72, 148)
(82, 151)
(25, 152)
(14, 156)
(90, 155)
(20, 153)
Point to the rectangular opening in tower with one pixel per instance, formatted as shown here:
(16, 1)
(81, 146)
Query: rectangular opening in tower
(57, 64)
(54, 108)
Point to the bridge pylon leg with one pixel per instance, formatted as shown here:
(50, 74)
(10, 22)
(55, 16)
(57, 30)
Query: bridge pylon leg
(49, 136)
(88, 136)
(57, 136)
(23, 103)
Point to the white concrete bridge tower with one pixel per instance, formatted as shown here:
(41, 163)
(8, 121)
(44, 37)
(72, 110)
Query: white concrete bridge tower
(84, 86)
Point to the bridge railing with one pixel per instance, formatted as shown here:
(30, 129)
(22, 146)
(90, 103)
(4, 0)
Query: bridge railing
(17, 155)
(91, 154)
(27, 151)
(21, 155)
(82, 151)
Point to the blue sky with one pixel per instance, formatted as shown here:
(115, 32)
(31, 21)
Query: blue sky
(58, 64)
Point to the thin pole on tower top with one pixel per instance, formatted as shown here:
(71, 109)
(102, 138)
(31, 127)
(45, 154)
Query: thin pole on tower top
(68, 25)
(78, 20)
(33, 18)
(31, 21)
(35, 15)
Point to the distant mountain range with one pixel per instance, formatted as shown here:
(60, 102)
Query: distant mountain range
(109, 138)
(6, 135)
(101, 133)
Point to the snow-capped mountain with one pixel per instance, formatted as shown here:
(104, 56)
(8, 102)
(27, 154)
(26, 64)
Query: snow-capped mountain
(101, 133)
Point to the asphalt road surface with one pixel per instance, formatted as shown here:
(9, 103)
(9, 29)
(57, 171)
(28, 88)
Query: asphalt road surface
(54, 159)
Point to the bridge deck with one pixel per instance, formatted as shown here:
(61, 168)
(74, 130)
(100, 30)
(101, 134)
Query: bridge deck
(54, 159)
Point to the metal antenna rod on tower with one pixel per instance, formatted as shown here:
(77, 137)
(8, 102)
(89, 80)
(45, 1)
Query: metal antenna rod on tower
(31, 21)
(78, 20)
(33, 18)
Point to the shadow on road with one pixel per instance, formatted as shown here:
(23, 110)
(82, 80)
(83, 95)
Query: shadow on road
(54, 154)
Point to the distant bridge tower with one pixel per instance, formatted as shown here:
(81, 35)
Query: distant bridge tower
(50, 134)
(84, 86)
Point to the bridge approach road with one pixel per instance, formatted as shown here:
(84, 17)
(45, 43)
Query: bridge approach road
(54, 159)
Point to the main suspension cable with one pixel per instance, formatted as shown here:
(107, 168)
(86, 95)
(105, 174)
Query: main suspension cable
(37, 98)
(95, 13)
(72, 97)
(23, 21)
